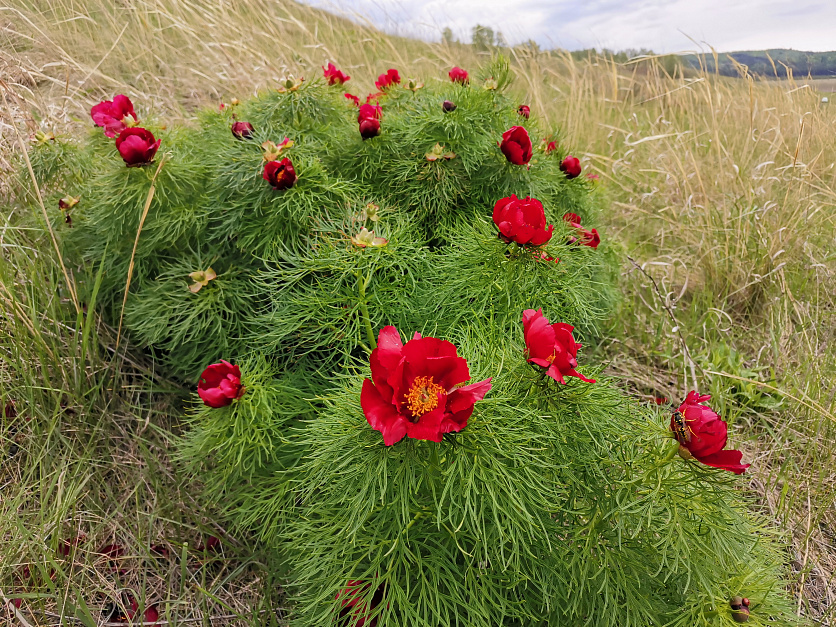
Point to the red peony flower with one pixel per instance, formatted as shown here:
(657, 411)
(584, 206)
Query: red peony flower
(220, 384)
(458, 75)
(417, 389)
(334, 76)
(137, 146)
(354, 611)
(702, 435)
(369, 111)
(375, 97)
(114, 115)
(550, 147)
(587, 238)
(516, 145)
(369, 127)
(522, 221)
(571, 166)
(280, 174)
(524, 110)
(593, 177)
(242, 130)
(385, 81)
(353, 99)
(551, 346)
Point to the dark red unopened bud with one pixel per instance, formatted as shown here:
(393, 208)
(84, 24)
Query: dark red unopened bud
(369, 127)
(448, 106)
(739, 609)
(242, 130)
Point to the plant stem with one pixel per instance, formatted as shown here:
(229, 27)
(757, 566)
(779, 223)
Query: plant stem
(364, 309)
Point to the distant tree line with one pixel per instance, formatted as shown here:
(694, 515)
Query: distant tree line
(768, 62)
(775, 62)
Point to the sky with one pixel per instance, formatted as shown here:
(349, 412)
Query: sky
(660, 25)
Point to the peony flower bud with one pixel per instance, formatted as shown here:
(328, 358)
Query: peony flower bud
(516, 145)
(369, 127)
(524, 110)
(280, 174)
(220, 384)
(242, 130)
(448, 106)
(571, 166)
(137, 146)
(740, 609)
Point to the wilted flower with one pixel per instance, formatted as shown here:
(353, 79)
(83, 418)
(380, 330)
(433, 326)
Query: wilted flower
(137, 146)
(522, 221)
(43, 138)
(280, 174)
(334, 76)
(593, 178)
(702, 435)
(290, 84)
(413, 85)
(458, 75)
(417, 389)
(367, 238)
(385, 81)
(242, 130)
(220, 384)
(448, 106)
(571, 166)
(371, 212)
(67, 202)
(114, 115)
(491, 84)
(439, 152)
(584, 237)
(201, 279)
(516, 145)
(551, 346)
(273, 151)
(524, 110)
(352, 98)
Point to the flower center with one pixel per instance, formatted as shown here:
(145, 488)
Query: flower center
(422, 396)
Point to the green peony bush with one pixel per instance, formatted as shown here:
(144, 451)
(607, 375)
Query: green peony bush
(381, 301)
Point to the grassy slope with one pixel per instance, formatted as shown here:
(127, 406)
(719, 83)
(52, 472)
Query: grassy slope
(722, 190)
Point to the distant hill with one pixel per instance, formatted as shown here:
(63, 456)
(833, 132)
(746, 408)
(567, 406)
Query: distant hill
(819, 64)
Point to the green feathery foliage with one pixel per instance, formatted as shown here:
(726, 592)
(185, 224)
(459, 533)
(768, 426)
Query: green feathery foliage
(554, 505)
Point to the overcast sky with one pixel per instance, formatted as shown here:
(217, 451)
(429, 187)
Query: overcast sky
(661, 25)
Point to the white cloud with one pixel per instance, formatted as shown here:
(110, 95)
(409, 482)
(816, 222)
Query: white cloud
(662, 25)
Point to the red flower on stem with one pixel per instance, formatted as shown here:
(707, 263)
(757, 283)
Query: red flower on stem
(458, 75)
(368, 111)
(551, 146)
(369, 127)
(551, 346)
(220, 383)
(524, 110)
(571, 166)
(516, 145)
(385, 81)
(242, 130)
(417, 389)
(584, 237)
(114, 115)
(137, 146)
(334, 76)
(280, 174)
(702, 435)
(354, 611)
(353, 99)
(522, 221)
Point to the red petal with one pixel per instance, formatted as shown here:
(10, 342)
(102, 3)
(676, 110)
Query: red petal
(428, 426)
(465, 396)
(381, 415)
(726, 460)
(539, 335)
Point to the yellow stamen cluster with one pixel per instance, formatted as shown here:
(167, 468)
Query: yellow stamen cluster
(423, 396)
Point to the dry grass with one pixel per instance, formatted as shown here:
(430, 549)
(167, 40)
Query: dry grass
(722, 189)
